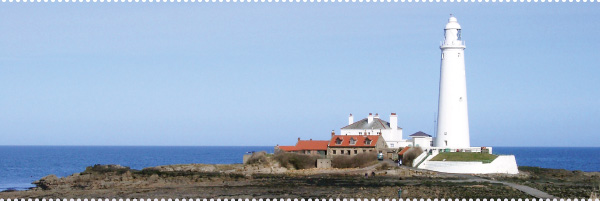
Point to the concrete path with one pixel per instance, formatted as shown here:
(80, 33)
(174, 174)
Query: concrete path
(525, 189)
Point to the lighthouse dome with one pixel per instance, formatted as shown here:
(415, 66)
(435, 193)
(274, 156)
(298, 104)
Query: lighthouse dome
(452, 23)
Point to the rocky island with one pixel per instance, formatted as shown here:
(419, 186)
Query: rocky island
(265, 177)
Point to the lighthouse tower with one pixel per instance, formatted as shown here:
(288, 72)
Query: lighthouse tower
(453, 119)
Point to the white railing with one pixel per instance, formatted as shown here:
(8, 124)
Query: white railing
(453, 43)
(468, 149)
(419, 158)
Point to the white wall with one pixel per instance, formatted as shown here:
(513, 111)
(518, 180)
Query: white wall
(423, 142)
(453, 118)
(506, 164)
(392, 138)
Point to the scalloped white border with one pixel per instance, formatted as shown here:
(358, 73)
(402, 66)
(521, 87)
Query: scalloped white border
(296, 199)
(298, 1)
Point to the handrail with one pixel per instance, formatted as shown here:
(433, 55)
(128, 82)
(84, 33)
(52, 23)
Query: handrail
(423, 160)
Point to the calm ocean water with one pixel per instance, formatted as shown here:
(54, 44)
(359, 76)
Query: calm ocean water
(21, 165)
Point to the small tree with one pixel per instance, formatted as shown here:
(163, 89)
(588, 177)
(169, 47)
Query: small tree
(410, 155)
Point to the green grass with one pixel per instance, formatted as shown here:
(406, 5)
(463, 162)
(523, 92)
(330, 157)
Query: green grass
(464, 156)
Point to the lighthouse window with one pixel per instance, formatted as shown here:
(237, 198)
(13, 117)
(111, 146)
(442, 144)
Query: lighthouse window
(445, 133)
(442, 55)
(458, 34)
(458, 54)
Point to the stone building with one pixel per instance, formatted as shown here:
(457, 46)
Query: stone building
(351, 145)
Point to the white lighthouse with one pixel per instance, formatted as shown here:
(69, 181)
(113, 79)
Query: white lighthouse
(453, 118)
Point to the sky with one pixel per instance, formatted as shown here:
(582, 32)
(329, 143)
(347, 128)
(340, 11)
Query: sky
(261, 74)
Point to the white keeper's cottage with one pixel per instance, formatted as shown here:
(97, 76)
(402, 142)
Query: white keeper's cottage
(373, 125)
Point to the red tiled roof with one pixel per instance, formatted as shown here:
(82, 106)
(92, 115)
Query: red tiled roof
(360, 140)
(312, 144)
(403, 150)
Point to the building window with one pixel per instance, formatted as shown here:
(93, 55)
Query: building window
(352, 141)
(338, 141)
(392, 145)
(341, 151)
(360, 133)
(348, 152)
(334, 152)
(364, 151)
(367, 142)
(307, 151)
(355, 151)
(369, 133)
(378, 133)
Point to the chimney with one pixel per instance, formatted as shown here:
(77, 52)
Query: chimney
(377, 115)
(350, 119)
(370, 119)
(332, 132)
(310, 139)
(394, 121)
(298, 139)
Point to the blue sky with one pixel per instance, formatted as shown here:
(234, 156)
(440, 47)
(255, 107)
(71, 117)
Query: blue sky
(268, 73)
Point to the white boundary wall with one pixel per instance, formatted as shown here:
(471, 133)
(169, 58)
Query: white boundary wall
(506, 164)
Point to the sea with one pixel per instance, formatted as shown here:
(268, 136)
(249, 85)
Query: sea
(21, 165)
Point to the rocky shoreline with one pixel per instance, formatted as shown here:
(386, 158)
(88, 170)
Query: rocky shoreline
(272, 181)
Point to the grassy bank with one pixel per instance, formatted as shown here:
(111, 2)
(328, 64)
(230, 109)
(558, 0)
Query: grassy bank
(464, 156)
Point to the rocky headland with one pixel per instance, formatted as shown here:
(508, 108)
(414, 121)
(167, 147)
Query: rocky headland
(268, 179)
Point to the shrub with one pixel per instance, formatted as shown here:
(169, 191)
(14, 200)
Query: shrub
(384, 166)
(297, 161)
(359, 160)
(257, 158)
(410, 155)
